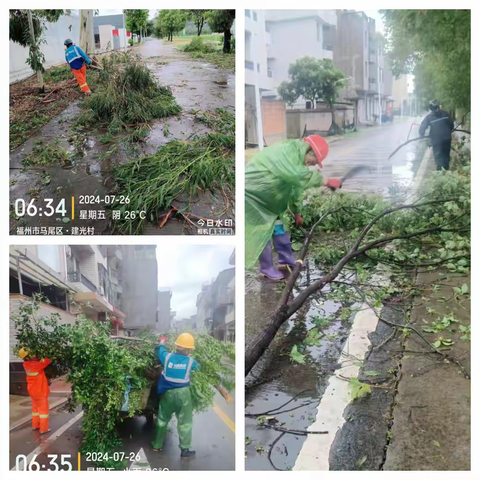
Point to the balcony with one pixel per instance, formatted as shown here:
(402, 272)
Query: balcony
(77, 277)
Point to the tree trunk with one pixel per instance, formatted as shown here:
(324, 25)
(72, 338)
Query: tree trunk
(227, 36)
(86, 37)
(32, 42)
(199, 27)
(257, 348)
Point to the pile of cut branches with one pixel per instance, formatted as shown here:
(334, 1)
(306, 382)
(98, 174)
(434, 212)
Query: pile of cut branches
(126, 94)
(353, 236)
(97, 366)
(180, 167)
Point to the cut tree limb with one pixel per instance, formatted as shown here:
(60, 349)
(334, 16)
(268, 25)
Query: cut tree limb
(285, 309)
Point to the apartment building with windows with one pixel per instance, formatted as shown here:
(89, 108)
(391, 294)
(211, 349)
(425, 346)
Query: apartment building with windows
(359, 53)
(274, 39)
(100, 281)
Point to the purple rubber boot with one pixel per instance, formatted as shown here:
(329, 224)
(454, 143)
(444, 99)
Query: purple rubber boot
(266, 264)
(283, 246)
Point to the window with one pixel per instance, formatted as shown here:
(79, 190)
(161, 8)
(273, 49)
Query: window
(365, 39)
(254, 15)
(55, 295)
(247, 13)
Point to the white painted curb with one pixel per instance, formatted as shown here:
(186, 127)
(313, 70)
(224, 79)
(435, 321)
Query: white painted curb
(315, 451)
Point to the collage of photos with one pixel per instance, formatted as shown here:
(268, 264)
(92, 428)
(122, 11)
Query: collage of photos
(348, 277)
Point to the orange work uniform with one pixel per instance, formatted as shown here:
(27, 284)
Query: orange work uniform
(81, 76)
(38, 391)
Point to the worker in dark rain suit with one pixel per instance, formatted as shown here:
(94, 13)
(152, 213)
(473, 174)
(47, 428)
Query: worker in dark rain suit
(441, 127)
(174, 388)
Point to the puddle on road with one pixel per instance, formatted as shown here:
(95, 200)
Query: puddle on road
(279, 380)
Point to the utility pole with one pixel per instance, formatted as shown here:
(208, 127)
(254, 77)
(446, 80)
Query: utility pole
(379, 93)
(86, 39)
(32, 43)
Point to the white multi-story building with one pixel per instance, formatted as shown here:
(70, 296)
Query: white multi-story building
(274, 39)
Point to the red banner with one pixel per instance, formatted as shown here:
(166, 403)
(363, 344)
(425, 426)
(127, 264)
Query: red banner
(115, 32)
(129, 34)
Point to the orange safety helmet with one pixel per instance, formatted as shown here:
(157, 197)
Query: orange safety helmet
(185, 340)
(319, 147)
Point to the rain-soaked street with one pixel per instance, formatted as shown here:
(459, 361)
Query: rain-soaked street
(288, 391)
(196, 85)
(213, 440)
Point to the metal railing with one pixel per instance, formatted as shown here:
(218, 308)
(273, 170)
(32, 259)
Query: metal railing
(77, 277)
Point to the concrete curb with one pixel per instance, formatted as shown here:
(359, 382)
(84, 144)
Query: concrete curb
(422, 171)
(28, 418)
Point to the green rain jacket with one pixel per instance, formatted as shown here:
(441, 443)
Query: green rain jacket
(275, 179)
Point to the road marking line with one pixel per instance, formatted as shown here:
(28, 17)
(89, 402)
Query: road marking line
(79, 460)
(346, 152)
(315, 451)
(142, 463)
(224, 417)
(28, 418)
(421, 172)
(44, 445)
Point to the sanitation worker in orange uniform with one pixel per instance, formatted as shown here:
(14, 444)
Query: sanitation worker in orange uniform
(76, 59)
(37, 389)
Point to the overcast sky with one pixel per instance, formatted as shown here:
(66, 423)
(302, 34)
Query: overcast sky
(184, 268)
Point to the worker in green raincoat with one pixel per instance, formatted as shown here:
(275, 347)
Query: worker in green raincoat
(175, 396)
(275, 180)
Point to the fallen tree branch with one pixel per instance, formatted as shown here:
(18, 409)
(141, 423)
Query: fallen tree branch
(285, 310)
(413, 329)
(254, 415)
(294, 432)
(405, 143)
(271, 450)
(278, 408)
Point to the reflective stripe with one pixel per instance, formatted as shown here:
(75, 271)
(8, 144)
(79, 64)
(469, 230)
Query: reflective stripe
(78, 55)
(34, 414)
(84, 85)
(190, 363)
(44, 416)
(438, 120)
(34, 374)
(178, 380)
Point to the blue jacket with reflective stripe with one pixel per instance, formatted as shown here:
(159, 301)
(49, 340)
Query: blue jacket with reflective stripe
(176, 370)
(76, 57)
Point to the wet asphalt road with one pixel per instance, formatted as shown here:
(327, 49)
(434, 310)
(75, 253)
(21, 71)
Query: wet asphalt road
(276, 380)
(196, 85)
(213, 440)
(370, 148)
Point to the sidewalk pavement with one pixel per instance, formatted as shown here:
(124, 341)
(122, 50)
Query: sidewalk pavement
(431, 417)
(21, 406)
